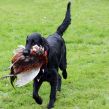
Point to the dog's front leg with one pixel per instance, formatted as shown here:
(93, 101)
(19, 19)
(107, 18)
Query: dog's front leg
(36, 86)
(53, 84)
(52, 95)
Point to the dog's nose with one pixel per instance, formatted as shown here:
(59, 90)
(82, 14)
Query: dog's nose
(26, 52)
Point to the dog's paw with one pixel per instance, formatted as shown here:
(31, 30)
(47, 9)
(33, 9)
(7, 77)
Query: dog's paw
(64, 73)
(50, 106)
(38, 99)
(51, 103)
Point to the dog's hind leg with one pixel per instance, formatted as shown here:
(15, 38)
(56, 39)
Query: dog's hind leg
(36, 86)
(63, 69)
(63, 63)
(64, 73)
(59, 81)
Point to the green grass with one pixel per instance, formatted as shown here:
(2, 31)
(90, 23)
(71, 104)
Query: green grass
(87, 40)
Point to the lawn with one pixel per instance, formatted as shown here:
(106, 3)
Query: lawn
(87, 40)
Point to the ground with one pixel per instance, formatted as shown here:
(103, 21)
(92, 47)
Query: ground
(87, 40)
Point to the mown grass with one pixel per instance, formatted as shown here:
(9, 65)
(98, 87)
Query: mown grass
(87, 40)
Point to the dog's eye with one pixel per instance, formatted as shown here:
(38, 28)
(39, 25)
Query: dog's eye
(33, 42)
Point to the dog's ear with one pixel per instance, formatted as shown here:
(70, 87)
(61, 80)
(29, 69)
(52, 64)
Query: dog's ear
(45, 44)
(26, 39)
(27, 36)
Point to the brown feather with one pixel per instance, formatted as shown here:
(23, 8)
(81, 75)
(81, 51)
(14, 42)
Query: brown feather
(20, 63)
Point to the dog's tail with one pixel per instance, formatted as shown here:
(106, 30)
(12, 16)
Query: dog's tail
(66, 22)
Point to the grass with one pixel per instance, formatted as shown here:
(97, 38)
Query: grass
(87, 40)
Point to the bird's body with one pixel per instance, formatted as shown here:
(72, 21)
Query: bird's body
(26, 68)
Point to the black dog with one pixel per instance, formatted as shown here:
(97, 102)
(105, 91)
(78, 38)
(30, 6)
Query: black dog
(55, 47)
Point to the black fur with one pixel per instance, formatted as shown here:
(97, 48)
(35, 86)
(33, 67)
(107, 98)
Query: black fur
(61, 29)
(56, 48)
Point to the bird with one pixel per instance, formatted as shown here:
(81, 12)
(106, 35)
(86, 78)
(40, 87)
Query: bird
(25, 68)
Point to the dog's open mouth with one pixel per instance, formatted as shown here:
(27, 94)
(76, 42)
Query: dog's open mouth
(26, 68)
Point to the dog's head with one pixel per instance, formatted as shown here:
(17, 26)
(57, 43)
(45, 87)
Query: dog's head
(34, 39)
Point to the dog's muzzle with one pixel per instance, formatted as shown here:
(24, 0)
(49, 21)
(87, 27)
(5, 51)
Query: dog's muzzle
(26, 52)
